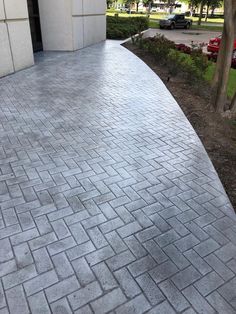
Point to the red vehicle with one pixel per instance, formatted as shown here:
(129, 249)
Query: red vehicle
(214, 45)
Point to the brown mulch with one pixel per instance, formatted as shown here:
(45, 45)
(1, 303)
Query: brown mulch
(216, 133)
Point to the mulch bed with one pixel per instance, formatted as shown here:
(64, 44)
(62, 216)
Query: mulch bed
(216, 133)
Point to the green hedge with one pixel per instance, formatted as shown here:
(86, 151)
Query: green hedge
(123, 27)
(191, 66)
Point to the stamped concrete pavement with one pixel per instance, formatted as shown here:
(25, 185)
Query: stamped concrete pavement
(109, 202)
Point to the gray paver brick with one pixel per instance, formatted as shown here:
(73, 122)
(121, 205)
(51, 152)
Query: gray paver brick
(127, 283)
(198, 262)
(61, 245)
(209, 283)
(17, 301)
(38, 304)
(116, 242)
(24, 236)
(135, 247)
(80, 250)
(226, 252)
(163, 271)
(176, 256)
(5, 250)
(108, 302)
(197, 301)
(219, 267)
(167, 238)
(60, 229)
(23, 255)
(61, 307)
(83, 271)
(2, 297)
(138, 305)
(79, 233)
(120, 260)
(148, 233)
(206, 247)
(42, 260)
(129, 229)
(174, 296)
(7, 267)
(84, 310)
(40, 282)
(186, 277)
(97, 238)
(62, 266)
(19, 276)
(155, 251)
(111, 225)
(219, 304)
(84, 295)
(62, 288)
(228, 291)
(104, 276)
(186, 243)
(42, 241)
(163, 308)
(96, 182)
(150, 289)
(99, 255)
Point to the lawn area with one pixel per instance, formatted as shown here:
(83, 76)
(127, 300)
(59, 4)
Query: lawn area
(158, 16)
(155, 17)
(208, 27)
(232, 80)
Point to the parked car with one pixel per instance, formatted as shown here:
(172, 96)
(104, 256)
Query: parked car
(123, 9)
(175, 21)
(214, 45)
(154, 10)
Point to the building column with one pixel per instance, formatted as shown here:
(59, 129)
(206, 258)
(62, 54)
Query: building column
(15, 45)
(69, 25)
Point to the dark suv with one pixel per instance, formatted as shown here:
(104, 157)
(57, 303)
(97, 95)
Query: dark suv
(175, 21)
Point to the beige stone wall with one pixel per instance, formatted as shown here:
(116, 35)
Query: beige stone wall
(15, 40)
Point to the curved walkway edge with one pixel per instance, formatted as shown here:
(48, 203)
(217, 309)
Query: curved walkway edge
(109, 201)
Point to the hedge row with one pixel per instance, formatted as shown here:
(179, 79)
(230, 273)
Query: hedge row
(123, 27)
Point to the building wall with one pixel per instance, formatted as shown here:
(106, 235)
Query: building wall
(65, 24)
(74, 24)
(15, 40)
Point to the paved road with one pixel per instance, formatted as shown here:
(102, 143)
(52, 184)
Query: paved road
(109, 202)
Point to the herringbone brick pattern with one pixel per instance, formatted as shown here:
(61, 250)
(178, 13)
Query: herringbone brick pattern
(109, 203)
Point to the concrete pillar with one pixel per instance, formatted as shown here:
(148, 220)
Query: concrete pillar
(15, 40)
(72, 24)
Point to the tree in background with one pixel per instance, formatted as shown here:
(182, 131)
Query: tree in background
(148, 3)
(201, 4)
(221, 77)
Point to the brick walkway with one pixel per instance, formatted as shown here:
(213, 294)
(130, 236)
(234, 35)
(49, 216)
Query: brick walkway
(109, 203)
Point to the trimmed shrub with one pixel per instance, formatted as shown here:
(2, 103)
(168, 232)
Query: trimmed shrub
(188, 63)
(125, 27)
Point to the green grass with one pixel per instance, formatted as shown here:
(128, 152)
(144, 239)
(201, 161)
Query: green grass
(155, 17)
(209, 20)
(158, 16)
(153, 24)
(208, 27)
(232, 79)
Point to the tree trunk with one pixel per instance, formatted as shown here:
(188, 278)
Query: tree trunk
(200, 14)
(224, 60)
(207, 12)
(137, 3)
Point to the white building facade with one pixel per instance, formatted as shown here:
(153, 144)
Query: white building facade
(27, 26)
